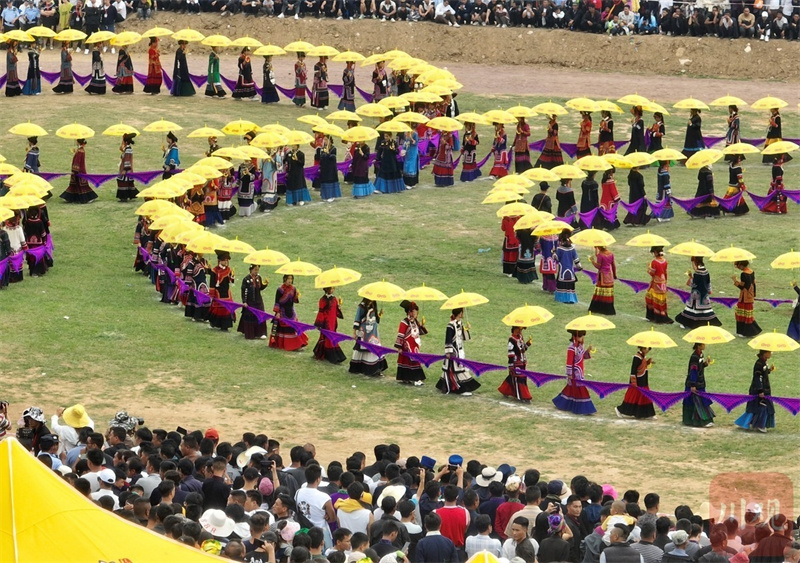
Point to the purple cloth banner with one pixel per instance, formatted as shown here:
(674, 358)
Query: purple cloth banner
(3, 267)
(603, 388)
(198, 80)
(231, 84)
(632, 207)
(229, 306)
(50, 77)
(775, 302)
(726, 301)
(657, 207)
(50, 176)
(37, 253)
(140, 78)
(202, 298)
(366, 95)
(479, 368)
(426, 360)
(376, 349)
(570, 148)
(146, 177)
(336, 89)
(259, 314)
(726, 400)
(97, 180)
(182, 287)
(754, 142)
(16, 261)
(112, 81)
(790, 404)
(81, 79)
(794, 195)
(682, 295)
(299, 327)
(610, 215)
(146, 258)
(761, 201)
(537, 146)
(2, 81)
(166, 79)
(540, 378)
(334, 337)
(636, 286)
(592, 275)
(287, 92)
(691, 203)
(664, 400)
(485, 159)
(728, 203)
(588, 218)
(711, 141)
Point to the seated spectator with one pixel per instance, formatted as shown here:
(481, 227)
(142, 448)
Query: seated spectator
(528, 15)
(515, 14)
(444, 13)
(780, 27)
(367, 9)
(480, 13)
(332, 8)
(310, 7)
(463, 16)
(794, 27)
(425, 9)
(627, 20)
(291, 7)
(403, 10)
(646, 23)
(712, 21)
(727, 26)
(501, 16)
(559, 18)
(613, 26)
(387, 10)
(747, 23)
(763, 28)
(591, 21)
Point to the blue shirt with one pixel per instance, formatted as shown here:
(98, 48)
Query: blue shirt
(10, 14)
(31, 14)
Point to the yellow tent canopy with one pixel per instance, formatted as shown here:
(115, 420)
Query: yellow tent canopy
(43, 519)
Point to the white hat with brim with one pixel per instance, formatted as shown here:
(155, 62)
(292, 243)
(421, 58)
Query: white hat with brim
(76, 416)
(397, 492)
(244, 458)
(488, 475)
(216, 523)
(242, 529)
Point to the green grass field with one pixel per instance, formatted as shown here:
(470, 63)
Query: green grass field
(91, 331)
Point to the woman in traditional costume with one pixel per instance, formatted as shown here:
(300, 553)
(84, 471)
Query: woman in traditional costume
(152, 84)
(365, 329)
(693, 141)
(245, 85)
(515, 384)
(125, 186)
(522, 153)
(78, 190)
(97, 84)
(328, 317)
(283, 335)
(636, 143)
(603, 298)
(760, 412)
(698, 311)
(696, 409)
(456, 378)
(124, 82)
(574, 397)
(219, 287)
(66, 81)
(249, 324)
(551, 153)
(636, 193)
(568, 263)
(319, 86)
(499, 149)
(655, 298)
(408, 340)
(635, 404)
(746, 325)
(469, 156)
(269, 93)
(585, 135)
(605, 135)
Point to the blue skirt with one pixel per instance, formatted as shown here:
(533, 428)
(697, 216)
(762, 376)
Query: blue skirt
(363, 190)
(293, 197)
(470, 175)
(330, 190)
(393, 186)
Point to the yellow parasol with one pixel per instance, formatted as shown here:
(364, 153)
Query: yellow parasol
(728, 101)
(514, 210)
(299, 138)
(41, 31)
(689, 103)
(19, 35)
(647, 240)
(780, 147)
(571, 171)
(269, 140)
(299, 268)
(445, 124)
(174, 211)
(708, 335)
(514, 180)
(769, 102)
(206, 243)
(126, 38)
(373, 110)
(165, 221)
(499, 116)
(7, 169)
(532, 220)
(344, 115)
(638, 159)
(732, 254)
(654, 107)
(508, 189)
(348, 57)
(207, 172)
(230, 153)
(239, 127)
(249, 42)
(216, 41)
(360, 134)
(75, 131)
(191, 177)
(425, 293)
(691, 248)
(70, 35)
(527, 316)
(19, 177)
(590, 322)
(617, 160)
(522, 111)
(606, 105)
(27, 130)
(394, 102)
(154, 206)
(20, 201)
(374, 59)
(703, 158)
(188, 35)
(252, 152)
(205, 132)
(396, 54)
(100, 37)
(329, 129)
(266, 257)
(553, 227)
(298, 47)
(164, 191)
(434, 74)
(411, 117)
(382, 291)
(119, 130)
(312, 119)
(651, 339)
(463, 300)
(740, 148)
(393, 127)
(550, 108)
(449, 83)
(269, 51)
(501, 197)
(787, 261)
(593, 163)
(336, 277)
(29, 189)
(773, 342)
(323, 51)
(583, 104)
(424, 97)
(593, 237)
(236, 245)
(472, 117)
(179, 231)
(540, 175)
(6, 214)
(162, 126)
(633, 100)
(157, 32)
(669, 154)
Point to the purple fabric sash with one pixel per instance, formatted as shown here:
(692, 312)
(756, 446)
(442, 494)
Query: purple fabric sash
(140, 78)
(98, 180)
(610, 215)
(537, 146)
(604, 388)
(540, 378)
(50, 77)
(590, 274)
(146, 257)
(376, 349)
(691, 203)
(728, 203)
(479, 368)
(167, 80)
(632, 207)
(50, 176)
(298, 327)
(761, 201)
(711, 141)
(571, 149)
(16, 261)
(636, 286)
(112, 81)
(3, 267)
(588, 218)
(794, 195)
(259, 314)
(657, 207)
(229, 306)
(790, 404)
(682, 295)
(182, 287)
(754, 142)
(83, 80)
(37, 253)
(202, 298)
(426, 360)
(199, 80)
(664, 400)
(336, 89)
(287, 92)
(334, 337)
(366, 95)
(726, 301)
(145, 177)
(776, 302)
(726, 400)
(2, 81)
(231, 84)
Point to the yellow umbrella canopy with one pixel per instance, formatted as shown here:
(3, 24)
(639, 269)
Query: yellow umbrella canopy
(449, 83)
(188, 34)
(360, 134)
(394, 102)
(20, 177)
(267, 257)
(522, 111)
(165, 221)
(126, 38)
(348, 56)
(434, 74)
(787, 261)
(654, 107)
(269, 51)
(252, 152)
(312, 119)
(19, 35)
(708, 335)
(740, 148)
(550, 108)
(568, 171)
(606, 105)
(344, 115)
(445, 124)
(593, 237)
(411, 117)
(590, 322)
(769, 102)
(162, 126)
(207, 172)
(396, 54)
(638, 159)
(191, 177)
(593, 163)
(41, 31)
(120, 129)
(101, 37)
(732, 254)
(164, 189)
(499, 116)
(472, 117)
(154, 206)
(689, 103)
(7, 169)
(463, 300)
(648, 240)
(393, 127)
(298, 47)
(239, 127)
(28, 189)
(274, 128)
(178, 232)
(382, 291)
(691, 248)
(774, 342)
(728, 101)
(668, 154)
(780, 147)
(424, 97)
(28, 130)
(214, 162)
(425, 293)
(157, 32)
(231, 153)
(236, 245)
(651, 339)
(75, 131)
(514, 210)
(509, 189)
(527, 316)
(6, 214)
(20, 201)
(205, 243)
(329, 129)
(216, 41)
(514, 180)
(70, 35)
(174, 211)
(299, 138)
(403, 63)
(582, 104)
(703, 158)
(553, 227)
(323, 51)
(204, 132)
(299, 268)
(269, 140)
(373, 110)
(540, 174)
(633, 100)
(336, 277)
(501, 197)
(617, 160)
(249, 42)
(532, 220)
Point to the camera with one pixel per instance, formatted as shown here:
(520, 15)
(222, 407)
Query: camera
(452, 467)
(25, 433)
(140, 421)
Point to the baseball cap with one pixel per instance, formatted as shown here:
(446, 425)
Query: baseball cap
(107, 476)
(212, 433)
(680, 537)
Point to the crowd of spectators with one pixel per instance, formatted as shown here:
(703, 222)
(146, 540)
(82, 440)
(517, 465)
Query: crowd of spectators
(243, 500)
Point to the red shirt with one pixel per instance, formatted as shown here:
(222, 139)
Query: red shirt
(455, 520)
(505, 512)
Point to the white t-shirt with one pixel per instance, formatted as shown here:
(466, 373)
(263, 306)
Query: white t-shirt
(510, 548)
(106, 493)
(311, 502)
(92, 477)
(443, 9)
(121, 8)
(356, 521)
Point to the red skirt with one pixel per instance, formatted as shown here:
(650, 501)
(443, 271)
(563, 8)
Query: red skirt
(516, 387)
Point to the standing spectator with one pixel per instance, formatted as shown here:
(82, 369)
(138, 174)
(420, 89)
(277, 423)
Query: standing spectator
(314, 504)
(217, 488)
(506, 511)
(10, 15)
(30, 15)
(519, 538)
(650, 552)
(49, 19)
(434, 546)
(620, 550)
(483, 541)
(453, 519)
